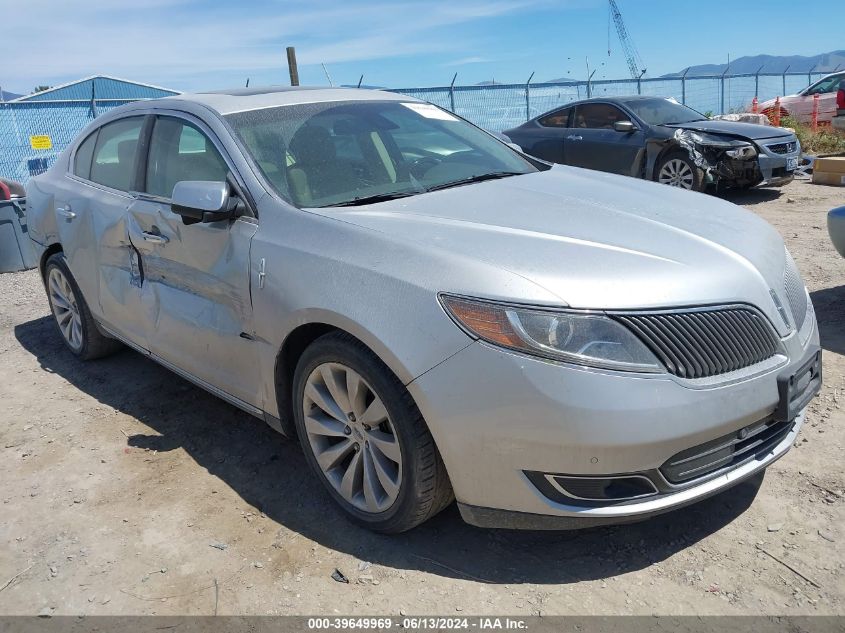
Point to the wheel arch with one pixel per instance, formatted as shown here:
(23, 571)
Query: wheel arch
(295, 344)
(51, 250)
(658, 153)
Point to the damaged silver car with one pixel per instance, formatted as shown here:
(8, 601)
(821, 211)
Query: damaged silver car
(434, 315)
(659, 139)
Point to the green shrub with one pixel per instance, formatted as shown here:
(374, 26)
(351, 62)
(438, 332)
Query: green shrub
(825, 141)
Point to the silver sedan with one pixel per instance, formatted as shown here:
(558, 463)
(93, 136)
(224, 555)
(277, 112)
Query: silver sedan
(433, 314)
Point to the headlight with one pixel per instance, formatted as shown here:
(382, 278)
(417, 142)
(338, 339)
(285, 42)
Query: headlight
(745, 152)
(735, 148)
(583, 338)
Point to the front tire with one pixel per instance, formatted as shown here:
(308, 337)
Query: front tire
(364, 437)
(678, 170)
(71, 314)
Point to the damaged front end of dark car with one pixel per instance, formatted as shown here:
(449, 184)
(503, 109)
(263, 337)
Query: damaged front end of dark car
(733, 162)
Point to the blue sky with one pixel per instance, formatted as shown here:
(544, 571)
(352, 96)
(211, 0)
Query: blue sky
(204, 44)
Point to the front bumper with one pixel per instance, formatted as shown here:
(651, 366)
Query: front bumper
(774, 166)
(497, 415)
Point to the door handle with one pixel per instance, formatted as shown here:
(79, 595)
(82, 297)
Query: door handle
(154, 238)
(66, 213)
(573, 137)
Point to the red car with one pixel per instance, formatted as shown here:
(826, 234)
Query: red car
(800, 106)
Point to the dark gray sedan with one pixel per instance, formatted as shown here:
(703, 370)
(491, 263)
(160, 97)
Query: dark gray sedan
(659, 139)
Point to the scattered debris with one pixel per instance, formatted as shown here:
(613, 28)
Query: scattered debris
(16, 576)
(774, 527)
(452, 569)
(828, 536)
(221, 546)
(789, 567)
(338, 576)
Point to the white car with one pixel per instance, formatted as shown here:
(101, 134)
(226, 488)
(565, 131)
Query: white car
(800, 106)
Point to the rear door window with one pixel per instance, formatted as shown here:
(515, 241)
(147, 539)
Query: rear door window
(598, 116)
(180, 151)
(115, 153)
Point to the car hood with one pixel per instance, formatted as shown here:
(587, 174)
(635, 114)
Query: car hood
(772, 101)
(594, 240)
(750, 131)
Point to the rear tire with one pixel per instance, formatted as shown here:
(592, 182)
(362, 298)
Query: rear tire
(71, 314)
(364, 437)
(677, 170)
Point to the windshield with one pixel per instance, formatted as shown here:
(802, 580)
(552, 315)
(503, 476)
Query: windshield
(828, 84)
(331, 154)
(663, 112)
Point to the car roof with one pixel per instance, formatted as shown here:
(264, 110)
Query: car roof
(614, 99)
(246, 99)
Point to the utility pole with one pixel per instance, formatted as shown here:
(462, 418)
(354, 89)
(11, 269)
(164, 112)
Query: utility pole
(294, 71)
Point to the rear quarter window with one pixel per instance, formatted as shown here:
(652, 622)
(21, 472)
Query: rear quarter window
(84, 154)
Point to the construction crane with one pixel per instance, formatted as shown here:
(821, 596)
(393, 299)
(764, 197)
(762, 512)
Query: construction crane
(635, 62)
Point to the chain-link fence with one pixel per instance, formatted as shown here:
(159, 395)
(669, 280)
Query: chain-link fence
(27, 128)
(502, 106)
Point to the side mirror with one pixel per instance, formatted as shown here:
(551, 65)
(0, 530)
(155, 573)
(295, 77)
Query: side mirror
(624, 126)
(203, 201)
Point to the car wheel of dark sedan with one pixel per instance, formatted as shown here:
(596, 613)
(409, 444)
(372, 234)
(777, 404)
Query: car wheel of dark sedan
(365, 438)
(71, 313)
(678, 170)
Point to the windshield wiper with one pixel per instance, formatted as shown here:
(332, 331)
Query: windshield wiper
(472, 179)
(378, 197)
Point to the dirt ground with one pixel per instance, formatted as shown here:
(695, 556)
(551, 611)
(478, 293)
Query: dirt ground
(126, 490)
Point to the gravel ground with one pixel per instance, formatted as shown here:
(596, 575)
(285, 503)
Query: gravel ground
(127, 490)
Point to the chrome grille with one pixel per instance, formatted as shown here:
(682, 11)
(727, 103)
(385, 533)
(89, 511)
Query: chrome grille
(783, 148)
(727, 451)
(702, 343)
(795, 293)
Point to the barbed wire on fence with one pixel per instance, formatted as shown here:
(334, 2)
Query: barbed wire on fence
(495, 107)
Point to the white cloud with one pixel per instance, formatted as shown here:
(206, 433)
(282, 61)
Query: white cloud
(195, 43)
(475, 59)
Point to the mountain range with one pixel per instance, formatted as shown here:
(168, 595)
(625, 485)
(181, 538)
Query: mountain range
(823, 63)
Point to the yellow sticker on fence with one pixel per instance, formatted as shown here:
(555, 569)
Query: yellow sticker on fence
(41, 141)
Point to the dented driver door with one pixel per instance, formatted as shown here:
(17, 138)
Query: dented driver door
(195, 296)
(195, 288)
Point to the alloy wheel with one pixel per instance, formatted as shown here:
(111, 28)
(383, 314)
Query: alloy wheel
(65, 308)
(352, 437)
(676, 173)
